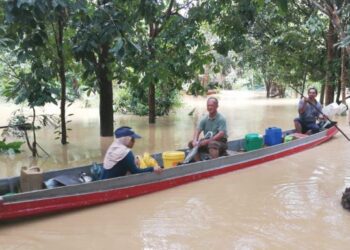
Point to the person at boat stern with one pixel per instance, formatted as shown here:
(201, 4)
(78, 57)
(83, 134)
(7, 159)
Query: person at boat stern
(119, 158)
(213, 122)
(308, 109)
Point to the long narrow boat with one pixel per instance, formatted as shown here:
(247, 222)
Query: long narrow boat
(44, 201)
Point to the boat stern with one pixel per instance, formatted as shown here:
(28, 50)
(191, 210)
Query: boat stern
(332, 131)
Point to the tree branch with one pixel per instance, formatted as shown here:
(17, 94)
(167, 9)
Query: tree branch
(166, 16)
(168, 11)
(318, 6)
(13, 71)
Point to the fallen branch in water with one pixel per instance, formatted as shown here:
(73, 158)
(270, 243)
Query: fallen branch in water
(22, 126)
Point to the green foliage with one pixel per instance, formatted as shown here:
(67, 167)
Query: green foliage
(100, 26)
(27, 84)
(15, 146)
(196, 89)
(161, 43)
(33, 71)
(231, 20)
(173, 49)
(286, 49)
(135, 101)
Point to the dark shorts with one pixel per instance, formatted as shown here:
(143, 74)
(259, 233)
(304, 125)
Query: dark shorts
(306, 126)
(205, 149)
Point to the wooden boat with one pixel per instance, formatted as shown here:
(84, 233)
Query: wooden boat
(28, 204)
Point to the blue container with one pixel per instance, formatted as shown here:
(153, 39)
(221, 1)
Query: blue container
(273, 136)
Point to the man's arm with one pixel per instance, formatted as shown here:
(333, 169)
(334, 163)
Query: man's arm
(130, 162)
(216, 137)
(196, 134)
(302, 105)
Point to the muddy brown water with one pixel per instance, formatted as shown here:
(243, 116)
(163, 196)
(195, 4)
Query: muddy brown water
(288, 203)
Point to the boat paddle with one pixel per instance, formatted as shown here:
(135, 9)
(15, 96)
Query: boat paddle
(194, 150)
(318, 110)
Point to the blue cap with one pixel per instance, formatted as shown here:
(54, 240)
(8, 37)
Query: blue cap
(125, 131)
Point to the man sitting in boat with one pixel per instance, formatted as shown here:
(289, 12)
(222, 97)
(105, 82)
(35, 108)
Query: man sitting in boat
(212, 122)
(119, 159)
(309, 112)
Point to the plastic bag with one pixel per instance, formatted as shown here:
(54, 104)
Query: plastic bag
(331, 110)
(342, 108)
(146, 161)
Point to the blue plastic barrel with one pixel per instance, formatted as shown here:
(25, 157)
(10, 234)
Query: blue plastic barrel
(273, 136)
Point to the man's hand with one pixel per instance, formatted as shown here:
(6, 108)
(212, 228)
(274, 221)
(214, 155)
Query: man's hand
(323, 117)
(157, 169)
(204, 142)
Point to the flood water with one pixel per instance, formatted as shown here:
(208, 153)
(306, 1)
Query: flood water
(288, 203)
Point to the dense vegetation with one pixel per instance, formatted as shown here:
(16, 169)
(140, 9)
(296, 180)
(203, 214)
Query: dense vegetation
(138, 54)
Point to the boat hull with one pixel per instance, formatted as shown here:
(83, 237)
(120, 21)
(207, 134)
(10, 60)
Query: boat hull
(88, 194)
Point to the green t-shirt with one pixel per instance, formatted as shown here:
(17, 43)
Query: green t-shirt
(216, 124)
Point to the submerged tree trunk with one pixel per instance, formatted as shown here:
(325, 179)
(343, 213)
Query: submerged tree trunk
(153, 32)
(152, 103)
(155, 27)
(106, 108)
(106, 93)
(62, 76)
(268, 84)
(34, 144)
(338, 92)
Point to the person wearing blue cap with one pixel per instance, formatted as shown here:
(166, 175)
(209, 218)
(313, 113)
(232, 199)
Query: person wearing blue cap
(119, 159)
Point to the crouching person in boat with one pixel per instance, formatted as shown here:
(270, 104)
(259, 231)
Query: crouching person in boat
(214, 123)
(309, 112)
(215, 150)
(119, 159)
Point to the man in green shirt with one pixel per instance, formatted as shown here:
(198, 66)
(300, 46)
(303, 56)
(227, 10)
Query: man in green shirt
(213, 122)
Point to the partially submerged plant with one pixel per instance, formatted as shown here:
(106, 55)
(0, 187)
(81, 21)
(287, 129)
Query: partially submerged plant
(11, 147)
(345, 200)
(20, 123)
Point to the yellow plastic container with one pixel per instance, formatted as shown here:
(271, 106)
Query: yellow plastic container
(172, 158)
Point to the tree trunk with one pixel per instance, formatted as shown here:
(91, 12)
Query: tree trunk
(282, 91)
(62, 76)
(106, 94)
(344, 74)
(268, 84)
(338, 90)
(151, 86)
(322, 92)
(34, 148)
(106, 108)
(155, 27)
(329, 88)
(152, 103)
